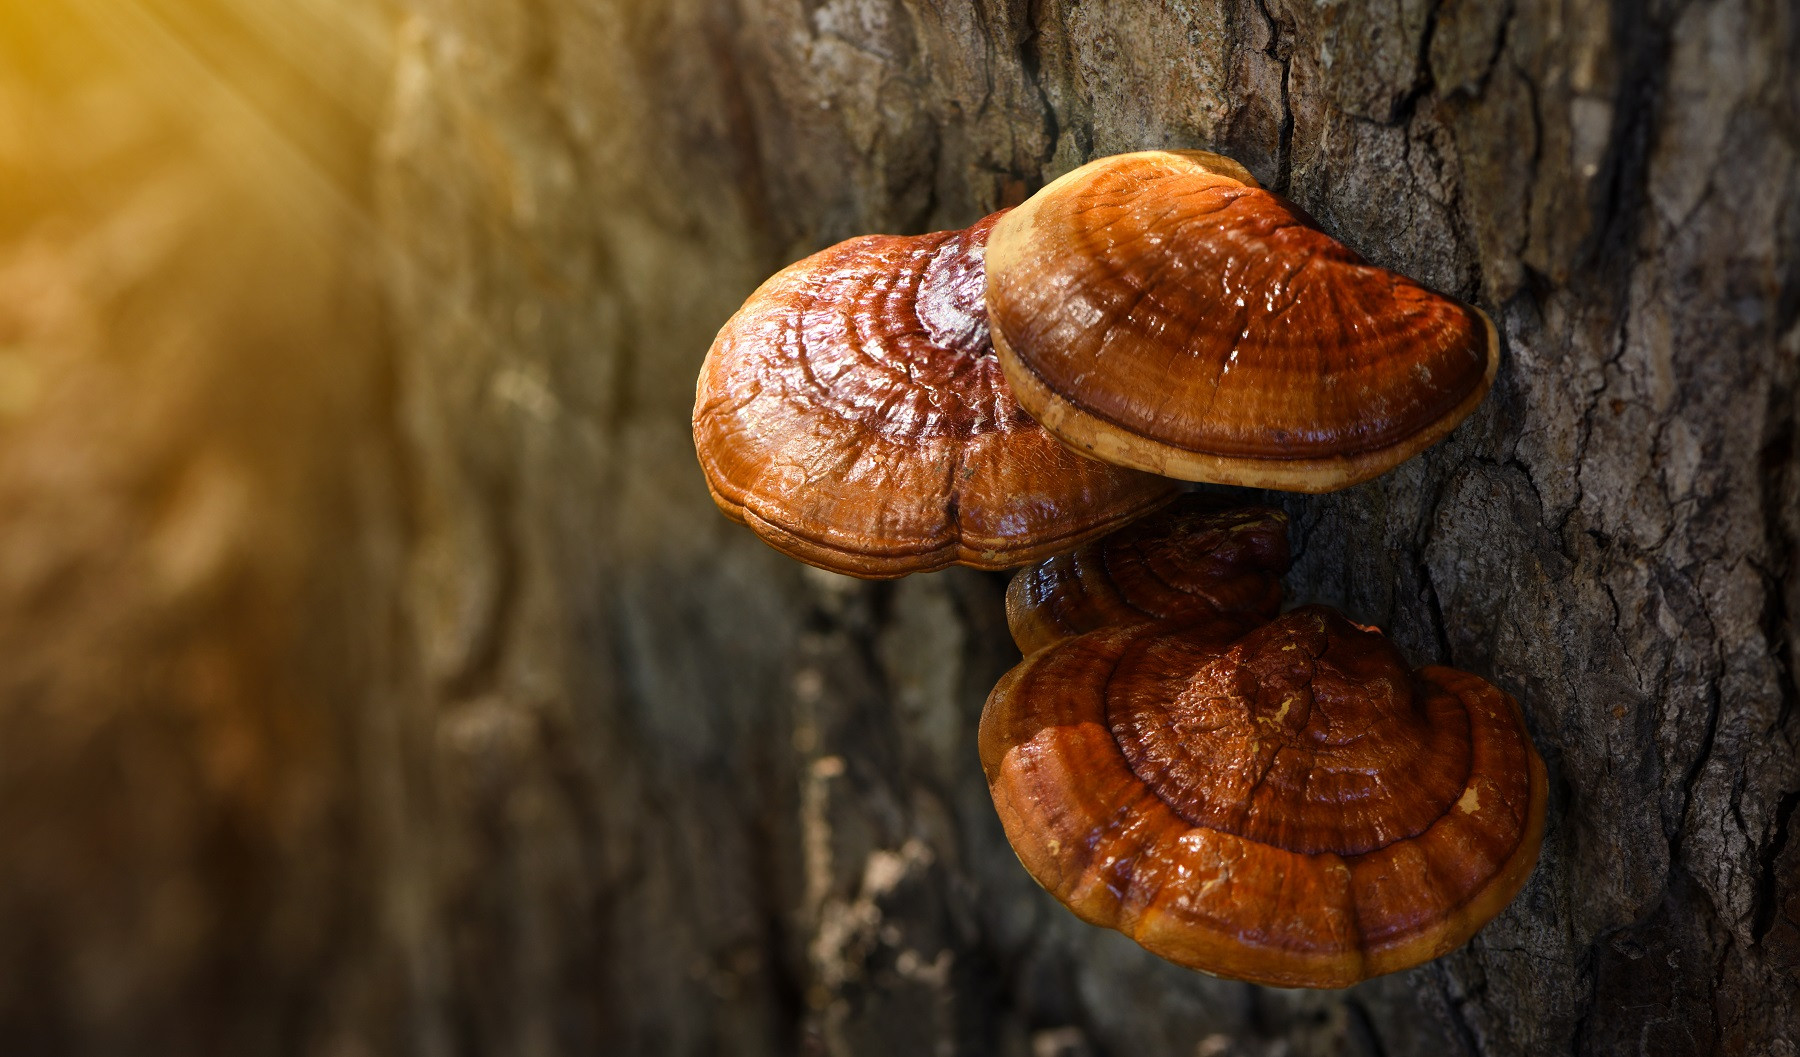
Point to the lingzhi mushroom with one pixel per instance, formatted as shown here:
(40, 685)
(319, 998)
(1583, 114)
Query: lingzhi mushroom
(1291, 806)
(1198, 557)
(1272, 797)
(1280, 358)
(852, 413)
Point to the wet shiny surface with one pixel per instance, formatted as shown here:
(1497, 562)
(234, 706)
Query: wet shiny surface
(1305, 734)
(1195, 558)
(1208, 316)
(853, 413)
(1292, 807)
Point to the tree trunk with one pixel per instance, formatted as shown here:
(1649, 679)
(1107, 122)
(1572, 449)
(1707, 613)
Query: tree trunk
(494, 736)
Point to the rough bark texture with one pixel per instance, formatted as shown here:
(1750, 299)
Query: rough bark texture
(480, 731)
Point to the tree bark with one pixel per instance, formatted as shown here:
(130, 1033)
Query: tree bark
(565, 762)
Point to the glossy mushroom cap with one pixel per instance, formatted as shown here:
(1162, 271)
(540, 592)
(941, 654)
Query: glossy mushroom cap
(853, 414)
(1293, 807)
(1161, 311)
(1194, 559)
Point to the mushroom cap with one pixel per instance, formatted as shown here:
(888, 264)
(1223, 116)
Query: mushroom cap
(852, 413)
(1292, 808)
(1198, 557)
(1161, 312)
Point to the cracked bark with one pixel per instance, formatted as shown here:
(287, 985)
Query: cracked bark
(1611, 538)
(620, 779)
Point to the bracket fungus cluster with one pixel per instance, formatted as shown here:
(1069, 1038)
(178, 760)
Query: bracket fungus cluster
(1270, 796)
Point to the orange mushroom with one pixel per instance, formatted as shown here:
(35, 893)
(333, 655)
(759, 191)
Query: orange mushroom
(852, 413)
(1292, 807)
(1198, 557)
(1161, 311)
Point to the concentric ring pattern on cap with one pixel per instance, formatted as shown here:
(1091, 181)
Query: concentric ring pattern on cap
(1196, 558)
(1161, 311)
(1292, 806)
(853, 414)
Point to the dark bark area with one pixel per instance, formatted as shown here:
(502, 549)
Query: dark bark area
(389, 683)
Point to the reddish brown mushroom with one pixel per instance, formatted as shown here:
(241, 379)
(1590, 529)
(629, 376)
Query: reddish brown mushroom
(1293, 807)
(1161, 311)
(852, 413)
(1198, 557)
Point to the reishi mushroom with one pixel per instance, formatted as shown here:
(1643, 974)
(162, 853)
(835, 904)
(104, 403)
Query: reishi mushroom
(1160, 310)
(1197, 557)
(852, 413)
(1291, 807)
(1274, 798)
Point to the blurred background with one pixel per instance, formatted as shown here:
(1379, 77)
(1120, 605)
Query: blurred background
(377, 678)
(199, 510)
